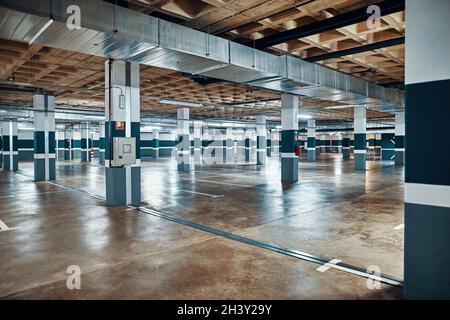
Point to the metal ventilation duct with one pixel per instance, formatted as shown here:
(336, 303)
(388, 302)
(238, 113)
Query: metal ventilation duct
(119, 33)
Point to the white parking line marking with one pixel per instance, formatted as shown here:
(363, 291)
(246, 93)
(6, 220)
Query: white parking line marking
(328, 265)
(4, 227)
(203, 194)
(399, 227)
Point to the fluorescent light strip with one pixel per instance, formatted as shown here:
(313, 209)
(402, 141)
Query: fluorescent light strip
(49, 22)
(181, 103)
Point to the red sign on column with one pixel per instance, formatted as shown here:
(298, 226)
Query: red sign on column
(120, 125)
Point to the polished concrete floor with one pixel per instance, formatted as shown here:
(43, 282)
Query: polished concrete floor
(332, 212)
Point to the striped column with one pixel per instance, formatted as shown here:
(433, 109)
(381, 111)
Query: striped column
(275, 144)
(427, 172)
(60, 135)
(197, 136)
(85, 148)
(229, 143)
(184, 144)
(360, 137)
(289, 124)
(346, 147)
(311, 144)
(68, 143)
(1, 147)
(10, 145)
(240, 147)
(101, 143)
(269, 143)
(261, 140)
(400, 138)
(248, 145)
(123, 183)
(96, 144)
(76, 143)
(44, 137)
(155, 144)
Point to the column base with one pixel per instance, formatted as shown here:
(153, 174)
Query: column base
(346, 154)
(185, 167)
(289, 169)
(261, 158)
(426, 254)
(39, 170)
(116, 186)
(360, 161)
(311, 155)
(101, 157)
(399, 158)
(7, 165)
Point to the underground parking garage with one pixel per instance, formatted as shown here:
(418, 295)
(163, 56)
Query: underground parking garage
(204, 150)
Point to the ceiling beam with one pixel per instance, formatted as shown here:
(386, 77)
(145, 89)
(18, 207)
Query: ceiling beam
(355, 50)
(339, 21)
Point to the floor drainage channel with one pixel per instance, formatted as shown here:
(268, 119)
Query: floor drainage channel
(358, 271)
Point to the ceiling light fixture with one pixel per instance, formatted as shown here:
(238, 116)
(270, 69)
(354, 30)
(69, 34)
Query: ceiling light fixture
(182, 103)
(49, 22)
(304, 116)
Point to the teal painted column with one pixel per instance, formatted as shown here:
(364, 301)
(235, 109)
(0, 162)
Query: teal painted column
(360, 124)
(197, 136)
(44, 137)
(228, 144)
(346, 147)
(85, 149)
(122, 114)
(101, 143)
(248, 145)
(399, 139)
(183, 147)
(68, 143)
(10, 145)
(289, 124)
(427, 164)
(155, 144)
(96, 145)
(311, 143)
(1, 147)
(261, 140)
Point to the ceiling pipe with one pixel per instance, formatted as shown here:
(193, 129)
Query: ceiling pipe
(339, 21)
(355, 50)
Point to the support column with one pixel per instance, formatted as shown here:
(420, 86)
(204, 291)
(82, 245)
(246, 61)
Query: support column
(311, 144)
(228, 156)
(197, 136)
(261, 140)
(122, 114)
(399, 139)
(1, 147)
(96, 145)
(184, 144)
(269, 143)
(60, 142)
(10, 145)
(44, 137)
(345, 147)
(427, 174)
(240, 147)
(101, 143)
(68, 134)
(276, 142)
(85, 150)
(156, 144)
(289, 124)
(360, 123)
(248, 145)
